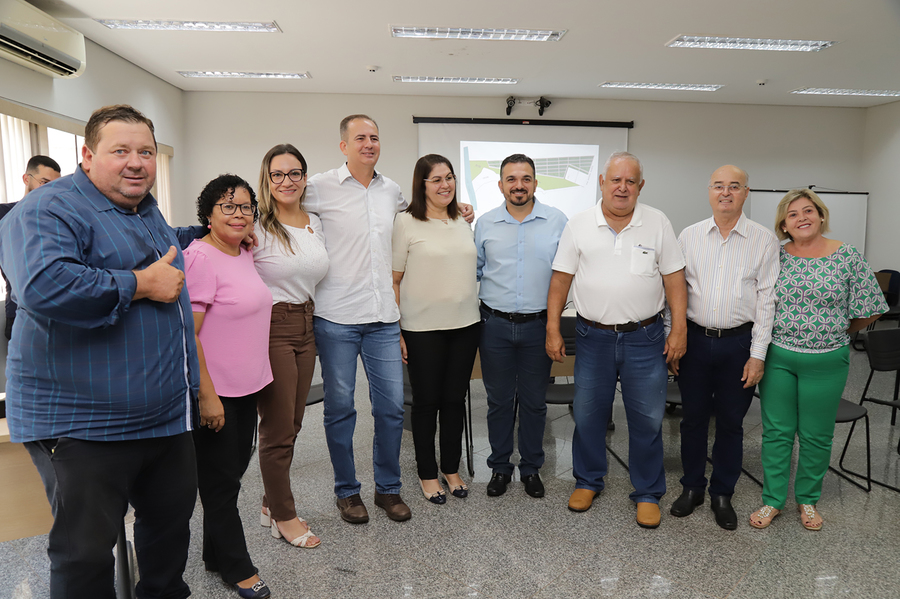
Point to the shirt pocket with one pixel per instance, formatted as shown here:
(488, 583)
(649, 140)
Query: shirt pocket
(643, 261)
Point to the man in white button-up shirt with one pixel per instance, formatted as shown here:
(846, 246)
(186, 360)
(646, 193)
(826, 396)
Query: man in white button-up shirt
(356, 315)
(731, 268)
(623, 263)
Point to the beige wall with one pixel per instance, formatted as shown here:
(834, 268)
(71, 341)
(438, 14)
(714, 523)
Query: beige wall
(881, 159)
(679, 143)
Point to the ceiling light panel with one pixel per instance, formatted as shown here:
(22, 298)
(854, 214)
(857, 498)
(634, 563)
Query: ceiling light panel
(827, 91)
(686, 87)
(243, 75)
(489, 80)
(243, 26)
(746, 43)
(466, 33)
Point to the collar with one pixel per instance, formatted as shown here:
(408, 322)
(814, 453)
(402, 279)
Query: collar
(344, 174)
(100, 202)
(503, 215)
(636, 216)
(742, 227)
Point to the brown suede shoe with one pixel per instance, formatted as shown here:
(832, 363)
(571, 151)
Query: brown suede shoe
(393, 505)
(353, 510)
(647, 514)
(581, 500)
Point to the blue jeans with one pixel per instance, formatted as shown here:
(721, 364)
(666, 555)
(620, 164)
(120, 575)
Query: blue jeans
(637, 359)
(378, 344)
(514, 362)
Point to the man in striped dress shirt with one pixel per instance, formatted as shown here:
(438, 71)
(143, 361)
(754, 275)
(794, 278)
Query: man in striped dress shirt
(102, 368)
(731, 268)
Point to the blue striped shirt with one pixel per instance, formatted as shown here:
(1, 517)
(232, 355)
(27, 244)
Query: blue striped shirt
(85, 361)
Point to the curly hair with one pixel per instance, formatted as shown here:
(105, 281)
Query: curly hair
(222, 187)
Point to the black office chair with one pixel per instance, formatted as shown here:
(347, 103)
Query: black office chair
(126, 566)
(851, 412)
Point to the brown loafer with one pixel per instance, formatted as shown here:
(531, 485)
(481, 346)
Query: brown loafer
(394, 506)
(648, 514)
(353, 510)
(581, 500)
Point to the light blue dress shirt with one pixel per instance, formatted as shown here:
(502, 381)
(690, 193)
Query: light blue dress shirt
(514, 257)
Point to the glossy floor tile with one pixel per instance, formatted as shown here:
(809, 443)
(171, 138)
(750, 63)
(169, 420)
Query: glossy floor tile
(516, 546)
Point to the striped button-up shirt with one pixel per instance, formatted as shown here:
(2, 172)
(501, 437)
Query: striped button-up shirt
(731, 281)
(85, 361)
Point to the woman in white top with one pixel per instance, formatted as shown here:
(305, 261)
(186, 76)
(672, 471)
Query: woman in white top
(291, 260)
(434, 262)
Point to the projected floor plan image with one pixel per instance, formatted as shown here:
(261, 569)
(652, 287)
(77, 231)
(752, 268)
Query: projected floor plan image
(566, 174)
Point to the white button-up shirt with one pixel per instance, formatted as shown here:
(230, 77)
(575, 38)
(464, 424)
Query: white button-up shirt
(357, 222)
(731, 281)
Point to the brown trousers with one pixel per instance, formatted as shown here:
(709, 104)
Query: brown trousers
(281, 404)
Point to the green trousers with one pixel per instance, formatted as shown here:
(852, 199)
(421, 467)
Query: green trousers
(799, 395)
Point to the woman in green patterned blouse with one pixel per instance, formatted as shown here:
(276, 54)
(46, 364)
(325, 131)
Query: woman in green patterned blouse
(825, 291)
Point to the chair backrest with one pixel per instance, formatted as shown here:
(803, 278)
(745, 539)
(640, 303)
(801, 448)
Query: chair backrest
(883, 349)
(893, 286)
(567, 330)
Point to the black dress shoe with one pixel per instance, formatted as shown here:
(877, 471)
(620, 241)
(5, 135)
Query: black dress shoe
(533, 485)
(498, 484)
(684, 505)
(725, 516)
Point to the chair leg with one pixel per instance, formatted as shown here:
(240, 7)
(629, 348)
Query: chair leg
(468, 434)
(868, 466)
(868, 477)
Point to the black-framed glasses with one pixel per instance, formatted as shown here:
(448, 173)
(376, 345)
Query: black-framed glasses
(228, 208)
(295, 175)
(439, 180)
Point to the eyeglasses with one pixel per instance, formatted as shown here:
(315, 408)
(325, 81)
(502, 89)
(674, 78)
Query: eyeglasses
(439, 180)
(228, 208)
(733, 188)
(295, 175)
(39, 181)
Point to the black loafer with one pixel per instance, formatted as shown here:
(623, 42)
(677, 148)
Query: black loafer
(533, 485)
(498, 484)
(684, 505)
(257, 591)
(721, 507)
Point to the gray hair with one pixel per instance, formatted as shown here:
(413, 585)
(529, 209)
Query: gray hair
(620, 155)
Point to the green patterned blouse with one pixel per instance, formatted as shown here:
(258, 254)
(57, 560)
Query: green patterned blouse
(817, 297)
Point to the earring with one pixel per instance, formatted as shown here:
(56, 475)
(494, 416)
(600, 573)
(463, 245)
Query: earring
(209, 226)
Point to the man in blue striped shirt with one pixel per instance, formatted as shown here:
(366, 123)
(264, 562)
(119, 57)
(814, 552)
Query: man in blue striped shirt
(102, 368)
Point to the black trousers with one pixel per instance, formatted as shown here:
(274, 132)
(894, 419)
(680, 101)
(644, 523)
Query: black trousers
(92, 483)
(222, 459)
(710, 383)
(440, 366)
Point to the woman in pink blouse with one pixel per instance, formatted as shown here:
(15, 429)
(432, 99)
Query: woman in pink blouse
(231, 307)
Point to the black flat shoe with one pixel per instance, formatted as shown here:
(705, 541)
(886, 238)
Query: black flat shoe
(257, 591)
(461, 491)
(684, 505)
(437, 498)
(721, 507)
(533, 485)
(498, 484)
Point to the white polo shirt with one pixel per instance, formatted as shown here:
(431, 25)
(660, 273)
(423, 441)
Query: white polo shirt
(618, 278)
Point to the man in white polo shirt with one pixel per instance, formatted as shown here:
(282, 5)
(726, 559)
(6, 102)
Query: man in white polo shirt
(625, 263)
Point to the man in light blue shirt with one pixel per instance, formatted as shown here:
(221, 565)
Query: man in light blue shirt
(516, 244)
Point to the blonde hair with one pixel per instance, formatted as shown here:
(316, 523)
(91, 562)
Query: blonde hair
(268, 219)
(782, 210)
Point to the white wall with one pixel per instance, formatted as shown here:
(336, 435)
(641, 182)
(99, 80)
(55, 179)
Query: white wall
(108, 79)
(679, 143)
(881, 159)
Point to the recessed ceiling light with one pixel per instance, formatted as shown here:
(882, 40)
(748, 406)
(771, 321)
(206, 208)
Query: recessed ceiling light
(492, 80)
(687, 87)
(243, 26)
(467, 33)
(747, 43)
(243, 75)
(827, 91)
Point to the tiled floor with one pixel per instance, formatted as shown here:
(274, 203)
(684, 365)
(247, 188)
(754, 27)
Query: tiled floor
(516, 546)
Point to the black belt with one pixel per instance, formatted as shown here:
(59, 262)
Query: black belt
(628, 327)
(514, 317)
(710, 332)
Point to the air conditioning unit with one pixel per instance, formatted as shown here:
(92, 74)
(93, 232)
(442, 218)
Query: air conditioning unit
(34, 39)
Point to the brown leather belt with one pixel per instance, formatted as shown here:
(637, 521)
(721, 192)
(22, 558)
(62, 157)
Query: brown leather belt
(628, 327)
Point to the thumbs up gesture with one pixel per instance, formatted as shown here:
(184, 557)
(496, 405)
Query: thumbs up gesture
(160, 282)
